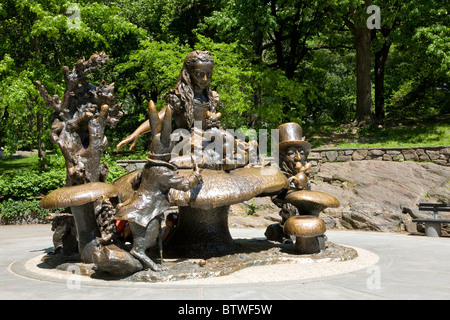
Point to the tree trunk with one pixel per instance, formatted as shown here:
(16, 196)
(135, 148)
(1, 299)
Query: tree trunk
(364, 113)
(380, 63)
(40, 144)
(80, 119)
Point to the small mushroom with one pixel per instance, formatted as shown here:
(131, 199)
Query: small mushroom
(306, 229)
(311, 202)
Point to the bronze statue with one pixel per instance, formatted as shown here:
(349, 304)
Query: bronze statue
(193, 106)
(191, 100)
(298, 203)
(293, 151)
(185, 135)
(293, 154)
(145, 209)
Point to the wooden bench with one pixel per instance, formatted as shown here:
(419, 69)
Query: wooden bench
(433, 226)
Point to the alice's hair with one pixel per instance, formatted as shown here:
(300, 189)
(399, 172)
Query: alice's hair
(184, 88)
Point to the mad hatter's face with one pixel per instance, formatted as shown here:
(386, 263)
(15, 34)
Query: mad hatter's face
(295, 154)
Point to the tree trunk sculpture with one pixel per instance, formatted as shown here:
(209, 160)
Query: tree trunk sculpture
(80, 119)
(78, 126)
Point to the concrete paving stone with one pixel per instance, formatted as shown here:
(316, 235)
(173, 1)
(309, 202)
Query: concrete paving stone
(165, 294)
(320, 290)
(418, 277)
(390, 266)
(242, 293)
(87, 293)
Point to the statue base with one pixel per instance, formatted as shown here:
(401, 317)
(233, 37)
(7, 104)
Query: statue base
(247, 253)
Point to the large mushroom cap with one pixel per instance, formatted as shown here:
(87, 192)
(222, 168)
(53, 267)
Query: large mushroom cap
(304, 226)
(308, 201)
(220, 188)
(79, 195)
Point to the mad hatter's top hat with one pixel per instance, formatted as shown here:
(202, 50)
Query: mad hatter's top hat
(291, 135)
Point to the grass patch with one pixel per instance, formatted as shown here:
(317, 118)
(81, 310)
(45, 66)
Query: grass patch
(18, 162)
(434, 135)
(408, 133)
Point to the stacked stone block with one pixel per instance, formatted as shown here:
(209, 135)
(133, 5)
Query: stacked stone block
(437, 155)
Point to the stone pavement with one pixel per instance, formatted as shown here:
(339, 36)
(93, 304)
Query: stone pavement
(389, 266)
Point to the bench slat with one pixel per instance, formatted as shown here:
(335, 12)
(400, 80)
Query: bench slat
(430, 220)
(435, 209)
(439, 205)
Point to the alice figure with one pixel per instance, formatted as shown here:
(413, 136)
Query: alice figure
(191, 103)
(191, 100)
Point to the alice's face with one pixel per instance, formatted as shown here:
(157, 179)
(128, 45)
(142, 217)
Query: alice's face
(201, 74)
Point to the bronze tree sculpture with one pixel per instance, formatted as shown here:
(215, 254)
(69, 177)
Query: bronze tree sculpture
(78, 126)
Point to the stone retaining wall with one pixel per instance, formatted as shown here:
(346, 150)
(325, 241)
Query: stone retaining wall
(438, 155)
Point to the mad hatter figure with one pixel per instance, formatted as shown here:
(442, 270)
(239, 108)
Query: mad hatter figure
(293, 154)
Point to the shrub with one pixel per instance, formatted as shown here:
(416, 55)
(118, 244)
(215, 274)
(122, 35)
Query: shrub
(30, 183)
(115, 172)
(12, 211)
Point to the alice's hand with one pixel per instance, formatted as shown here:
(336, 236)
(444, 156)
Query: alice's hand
(131, 138)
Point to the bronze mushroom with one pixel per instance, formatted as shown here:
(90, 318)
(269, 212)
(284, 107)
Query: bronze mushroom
(306, 229)
(79, 195)
(311, 202)
(80, 199)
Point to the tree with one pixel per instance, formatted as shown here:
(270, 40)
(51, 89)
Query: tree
(276, 38)
(37, 39)
(356, 22)
(152, 70)
(414, 26)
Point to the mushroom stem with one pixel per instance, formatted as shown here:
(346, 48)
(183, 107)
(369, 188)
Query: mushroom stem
(201, 233)
(307, 245)
(87, 230)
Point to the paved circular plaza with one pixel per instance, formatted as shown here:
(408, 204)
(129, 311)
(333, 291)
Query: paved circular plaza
(388, 266)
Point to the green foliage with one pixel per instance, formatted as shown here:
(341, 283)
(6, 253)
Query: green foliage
(252, 207)
(55, 160)
(231, 80)
(410, 133)
(115, 171)
(275, 60)
(18, 128)
(152, 70)
(332, 75)
(12, 210)
(30, 183)
(38, 38)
